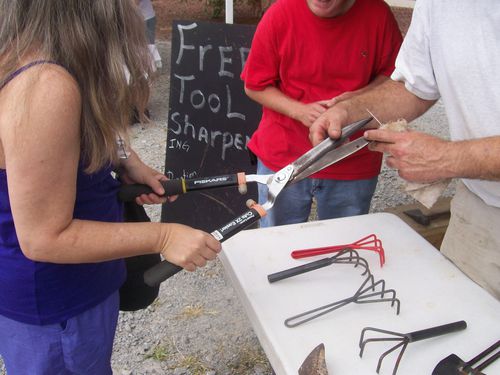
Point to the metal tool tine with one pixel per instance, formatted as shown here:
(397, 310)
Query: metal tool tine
(405, 339)
(360, 296)
(362, 341)
(404, 344)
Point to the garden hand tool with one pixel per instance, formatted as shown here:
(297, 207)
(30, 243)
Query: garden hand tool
(370, 291)
(315, 364)
(370, 242)
(454, 365)
(403, 339)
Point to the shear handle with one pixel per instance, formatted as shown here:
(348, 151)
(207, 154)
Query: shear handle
(128, 193)
(163, 270)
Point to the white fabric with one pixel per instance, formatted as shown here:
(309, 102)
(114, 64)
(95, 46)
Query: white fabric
(147, 9)
(452, 51)
(427, 194)
(472, 241)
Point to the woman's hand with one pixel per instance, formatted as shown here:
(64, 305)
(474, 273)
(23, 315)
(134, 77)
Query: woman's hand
(187, 247)
(134, 171)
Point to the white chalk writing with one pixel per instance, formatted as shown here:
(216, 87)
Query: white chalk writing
(180, 125)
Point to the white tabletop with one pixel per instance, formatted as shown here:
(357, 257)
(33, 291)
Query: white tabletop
(431, 289)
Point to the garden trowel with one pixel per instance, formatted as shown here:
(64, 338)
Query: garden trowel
(315, 364)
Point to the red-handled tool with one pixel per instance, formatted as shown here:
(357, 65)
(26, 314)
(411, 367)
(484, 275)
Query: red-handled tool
(370, 242)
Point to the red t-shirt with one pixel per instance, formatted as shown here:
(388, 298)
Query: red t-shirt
(311, 58)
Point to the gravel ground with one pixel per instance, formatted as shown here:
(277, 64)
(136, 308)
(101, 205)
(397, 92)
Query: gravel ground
(197, 325)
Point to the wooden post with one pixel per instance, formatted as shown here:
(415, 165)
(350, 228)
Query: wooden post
(229, 11)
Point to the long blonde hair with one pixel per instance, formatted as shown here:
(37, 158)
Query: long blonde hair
(94, 40)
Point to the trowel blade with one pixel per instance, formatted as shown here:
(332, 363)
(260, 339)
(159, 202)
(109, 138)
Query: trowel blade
(315, 364)
(449, 366)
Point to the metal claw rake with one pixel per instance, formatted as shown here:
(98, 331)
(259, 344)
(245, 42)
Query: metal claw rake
(403, 339)
(370, 242)
(362, 295)
(346, 256)
(366, 293)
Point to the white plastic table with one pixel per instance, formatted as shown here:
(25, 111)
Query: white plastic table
(431, 289)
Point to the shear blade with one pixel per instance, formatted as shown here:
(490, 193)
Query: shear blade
(332, 157)
(329, 152)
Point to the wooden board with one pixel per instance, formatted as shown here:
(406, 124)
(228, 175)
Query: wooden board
(439, 216)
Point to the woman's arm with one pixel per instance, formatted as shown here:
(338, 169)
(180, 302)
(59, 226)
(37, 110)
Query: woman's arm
(42, 149)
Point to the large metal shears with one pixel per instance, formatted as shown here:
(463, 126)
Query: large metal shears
(323, 155)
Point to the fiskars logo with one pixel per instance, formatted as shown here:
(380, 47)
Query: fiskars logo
(208, 180)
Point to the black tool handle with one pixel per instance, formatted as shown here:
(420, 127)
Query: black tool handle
(436, 331)
(128, 193)
(299, 270)
(482, 355)
(162, 271)
(486, 363)
(211, 182)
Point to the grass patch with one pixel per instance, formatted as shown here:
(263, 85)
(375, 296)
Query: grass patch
(159, 353)
(193, 364)
(194, 311)
(248, 359)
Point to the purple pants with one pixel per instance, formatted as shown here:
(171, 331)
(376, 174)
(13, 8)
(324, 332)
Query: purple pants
(80, 345)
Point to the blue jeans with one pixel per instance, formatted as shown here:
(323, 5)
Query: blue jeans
(80, 345)
(334, 198)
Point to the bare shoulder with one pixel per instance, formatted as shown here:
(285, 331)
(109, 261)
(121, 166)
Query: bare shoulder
(51, 83)
(44, 98)
(46, 93)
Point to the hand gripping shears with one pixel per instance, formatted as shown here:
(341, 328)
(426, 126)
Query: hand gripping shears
(321, 156)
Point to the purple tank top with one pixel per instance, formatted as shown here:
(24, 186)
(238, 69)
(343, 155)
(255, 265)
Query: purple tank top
(45, 293)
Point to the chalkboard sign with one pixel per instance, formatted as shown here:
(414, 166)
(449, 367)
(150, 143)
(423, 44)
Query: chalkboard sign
(210, 120)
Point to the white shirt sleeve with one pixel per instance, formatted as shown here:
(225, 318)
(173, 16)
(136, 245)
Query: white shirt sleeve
(414, 64)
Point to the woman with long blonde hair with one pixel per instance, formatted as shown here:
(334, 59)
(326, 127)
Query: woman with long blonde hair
(64, 103)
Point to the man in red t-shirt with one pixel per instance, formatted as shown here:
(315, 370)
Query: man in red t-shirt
(303, 54)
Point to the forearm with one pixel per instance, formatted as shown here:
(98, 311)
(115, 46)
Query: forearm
(378, 80)
(476, 159)
(388, 101)
(274, 99)
(91, 241)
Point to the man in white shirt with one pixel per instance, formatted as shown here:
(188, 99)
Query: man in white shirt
(452, 52)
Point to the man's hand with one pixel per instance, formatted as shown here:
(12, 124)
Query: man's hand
(329, 124)
(417, 156)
